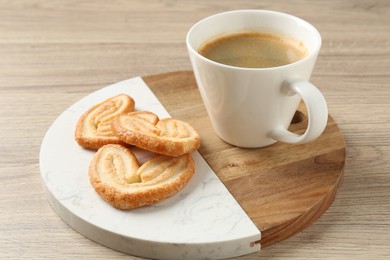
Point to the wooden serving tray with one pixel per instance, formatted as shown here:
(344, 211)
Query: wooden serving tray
(283, 188)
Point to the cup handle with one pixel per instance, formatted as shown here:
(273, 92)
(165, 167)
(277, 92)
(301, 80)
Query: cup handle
(317, 114)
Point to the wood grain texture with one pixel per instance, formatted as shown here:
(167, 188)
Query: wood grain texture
(53, 53)
(283, 188)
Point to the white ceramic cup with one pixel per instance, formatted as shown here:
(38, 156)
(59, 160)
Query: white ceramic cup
(253, 107)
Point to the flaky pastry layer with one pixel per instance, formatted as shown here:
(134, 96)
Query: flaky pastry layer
(93, 130)
(117, 177)
(167, 136)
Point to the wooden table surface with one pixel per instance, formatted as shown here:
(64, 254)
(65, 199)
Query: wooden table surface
(53, 53)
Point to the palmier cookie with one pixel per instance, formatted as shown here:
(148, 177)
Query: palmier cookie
(168, 136)
(116, 176)
(93, 130)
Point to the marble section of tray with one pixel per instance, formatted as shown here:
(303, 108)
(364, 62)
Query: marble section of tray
(201, 221)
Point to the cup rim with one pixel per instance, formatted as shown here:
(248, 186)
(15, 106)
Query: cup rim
(310, 55)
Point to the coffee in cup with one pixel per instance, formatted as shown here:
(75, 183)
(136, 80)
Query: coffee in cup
(253, 50)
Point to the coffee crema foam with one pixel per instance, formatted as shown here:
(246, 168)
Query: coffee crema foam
(253, 50)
